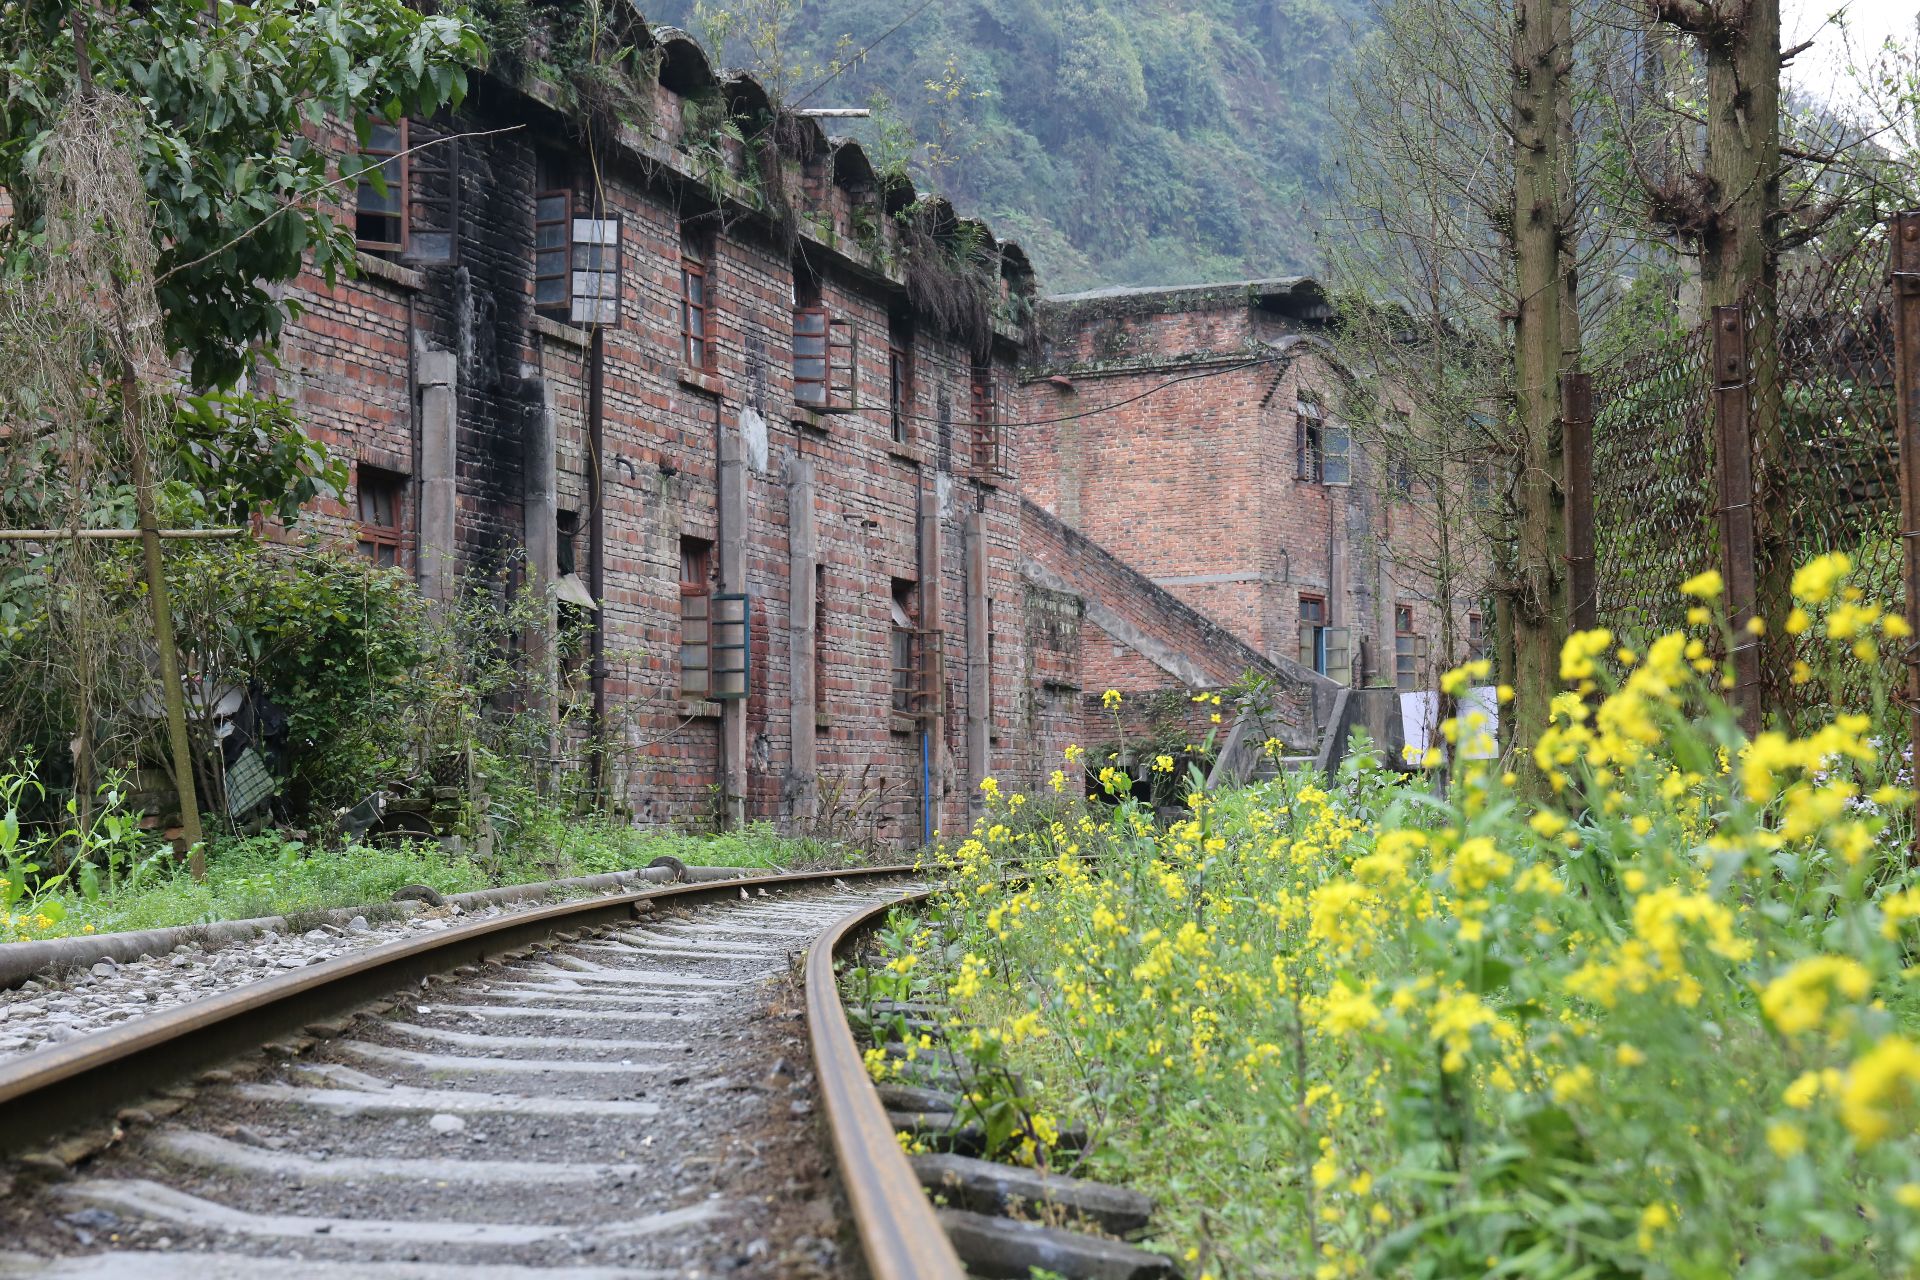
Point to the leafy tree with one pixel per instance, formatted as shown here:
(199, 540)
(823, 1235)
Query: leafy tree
(241, 194)
(164, 179)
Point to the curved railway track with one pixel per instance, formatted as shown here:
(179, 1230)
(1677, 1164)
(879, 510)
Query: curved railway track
(609, 1088)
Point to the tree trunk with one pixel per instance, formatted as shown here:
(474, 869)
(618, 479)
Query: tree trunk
(1537, 590)
(1739, 43)
(1739, 263)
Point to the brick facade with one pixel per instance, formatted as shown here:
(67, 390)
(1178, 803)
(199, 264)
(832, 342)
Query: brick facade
(1166, 425)
(1095, 623)
(592, 452)
(437, 372)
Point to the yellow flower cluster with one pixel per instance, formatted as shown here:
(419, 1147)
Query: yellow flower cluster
(1682, 989)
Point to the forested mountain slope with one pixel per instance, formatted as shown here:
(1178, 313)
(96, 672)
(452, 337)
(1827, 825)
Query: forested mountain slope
(1120, 141)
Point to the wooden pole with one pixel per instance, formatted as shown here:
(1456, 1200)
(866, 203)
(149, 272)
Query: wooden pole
(1576, 396)
(1906, 353)
(143, 488)
(1733, 443)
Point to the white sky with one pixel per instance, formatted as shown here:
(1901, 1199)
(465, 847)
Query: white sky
(1821, 70)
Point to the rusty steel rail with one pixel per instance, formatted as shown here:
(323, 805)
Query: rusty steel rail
(899, 1234)
(50, 1091)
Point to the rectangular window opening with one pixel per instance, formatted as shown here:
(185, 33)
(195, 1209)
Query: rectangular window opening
(380, 203)
(552, 251)
(381, 496)
(989, 445)
(1313, 633)
(900, 383)
(1409, 650)
(1324, 648)
(906, 644)
(696, 617)
(696, 301)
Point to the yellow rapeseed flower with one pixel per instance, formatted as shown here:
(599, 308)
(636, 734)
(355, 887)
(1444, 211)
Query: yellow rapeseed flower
(1877, 1086)
(1704, 586)
(1815, 581)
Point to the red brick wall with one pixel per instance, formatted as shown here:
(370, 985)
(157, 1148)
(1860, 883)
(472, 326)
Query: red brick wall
(1163, 426)
(347, 365)
(1152, 644)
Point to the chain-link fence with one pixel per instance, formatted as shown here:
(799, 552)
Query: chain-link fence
(1835, 484)
(1824, 474)
(1653, 483)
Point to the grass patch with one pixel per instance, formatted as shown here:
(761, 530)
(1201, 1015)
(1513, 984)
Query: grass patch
(269, 875)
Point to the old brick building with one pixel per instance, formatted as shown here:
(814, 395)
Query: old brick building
(1198, 433)
(747, 410)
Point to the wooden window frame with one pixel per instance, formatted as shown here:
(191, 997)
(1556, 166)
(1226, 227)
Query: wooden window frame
(1312, 647)
(397, 190)
(696, 612)
(988, 451)
(373, 539)
(904, 645)
(1407, 649)
(1307, 424)
(699, 351)
(1343, 456)
(595, 261)
(430, 217)
(810, 388)
(900, 386)
(562, 306)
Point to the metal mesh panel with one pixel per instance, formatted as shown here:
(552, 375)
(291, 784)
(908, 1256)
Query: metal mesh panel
(1653, 484)
(1837, 487)
(1828, 482)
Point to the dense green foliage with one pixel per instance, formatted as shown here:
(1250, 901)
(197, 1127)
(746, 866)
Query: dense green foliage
(239, 189)
(1118, 141)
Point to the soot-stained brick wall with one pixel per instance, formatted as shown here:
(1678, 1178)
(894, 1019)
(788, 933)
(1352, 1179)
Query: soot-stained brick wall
(522, 383)
(892, 509)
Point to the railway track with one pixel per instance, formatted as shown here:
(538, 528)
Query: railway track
(615, 1088)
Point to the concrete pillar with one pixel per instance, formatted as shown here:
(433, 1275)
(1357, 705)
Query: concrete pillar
(733, 577)
(437, 383)
(932, 600)
(802, 790)
(978, 670)
(541, 539)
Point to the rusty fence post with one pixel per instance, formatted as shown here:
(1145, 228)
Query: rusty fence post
(1906, 356)
(1733, 463)
(1576, 401)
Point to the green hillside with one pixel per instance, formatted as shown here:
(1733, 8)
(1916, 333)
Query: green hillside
(1120, 141)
